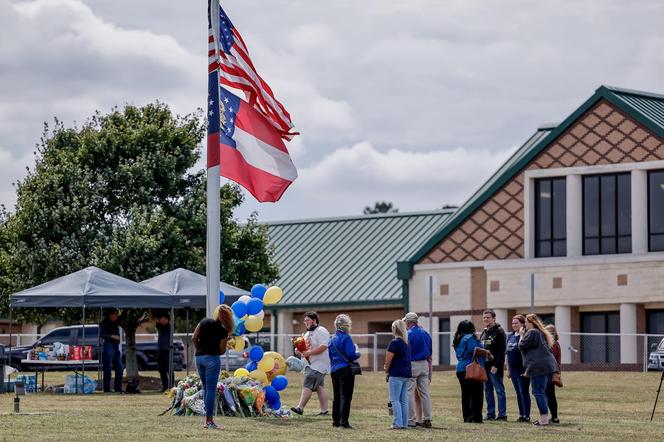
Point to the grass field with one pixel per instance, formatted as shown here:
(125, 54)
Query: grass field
(593, 406)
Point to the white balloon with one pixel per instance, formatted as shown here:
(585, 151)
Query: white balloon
(245, 298)
(260, 314)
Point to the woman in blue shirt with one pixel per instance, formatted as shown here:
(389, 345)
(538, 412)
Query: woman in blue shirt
(342, 351)
(398, 369)
(467, 346)
(515, 369)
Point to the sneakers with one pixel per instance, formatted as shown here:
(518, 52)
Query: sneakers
(297, 410)
(211, 426)
(426, 423)
(523, 419)
(489, 418)
(501, 418)
(555, 420)
(323, 413)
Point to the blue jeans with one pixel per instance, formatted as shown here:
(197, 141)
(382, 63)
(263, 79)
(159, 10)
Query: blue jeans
(521, 384)
(539, 384)
(208, 367)
(495, 382)
(399, 398)
(112, 359)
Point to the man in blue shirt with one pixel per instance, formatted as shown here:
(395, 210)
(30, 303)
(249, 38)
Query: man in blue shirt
(420, 357)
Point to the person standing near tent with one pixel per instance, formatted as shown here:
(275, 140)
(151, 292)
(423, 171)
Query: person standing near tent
(163, 326)
(109, 331)
(210, 339)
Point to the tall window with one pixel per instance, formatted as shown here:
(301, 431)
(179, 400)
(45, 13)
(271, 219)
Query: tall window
(656, 211)
(550, 217)
(600, 348)
(607, 214)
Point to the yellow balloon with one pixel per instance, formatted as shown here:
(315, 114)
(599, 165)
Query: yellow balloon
(272, 295)
(253, 323)
(238, 344)
(266, 364)
(279, 365)
(241, 372)
(259, 376)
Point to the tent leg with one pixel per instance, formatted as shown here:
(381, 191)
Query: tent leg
(99, 349)
(170, 351)
(186, 343)
(82, 353)
(9, 361)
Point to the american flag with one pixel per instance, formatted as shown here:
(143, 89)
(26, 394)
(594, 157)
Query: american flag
(228, 54)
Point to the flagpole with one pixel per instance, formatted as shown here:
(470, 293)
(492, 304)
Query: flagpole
(213, 250)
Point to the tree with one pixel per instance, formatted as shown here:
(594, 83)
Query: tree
(119, 193)
(380, 207)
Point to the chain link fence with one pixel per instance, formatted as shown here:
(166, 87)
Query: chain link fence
(579, 351)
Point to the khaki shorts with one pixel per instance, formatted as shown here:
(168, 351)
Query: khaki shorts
(313, 379)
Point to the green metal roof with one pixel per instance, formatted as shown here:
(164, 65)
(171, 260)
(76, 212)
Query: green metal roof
(644, 107)
(349, 260)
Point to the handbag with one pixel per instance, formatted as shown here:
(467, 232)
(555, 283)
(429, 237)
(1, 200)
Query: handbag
(475, 372)
(355, 368)
(556, 379)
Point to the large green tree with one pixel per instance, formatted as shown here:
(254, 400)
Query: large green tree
(120, 193)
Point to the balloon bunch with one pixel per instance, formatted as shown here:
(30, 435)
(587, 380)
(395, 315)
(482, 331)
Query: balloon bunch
(248, 310)
(269, 369)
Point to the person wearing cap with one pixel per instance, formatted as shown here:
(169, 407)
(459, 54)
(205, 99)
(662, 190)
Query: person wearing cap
(420, 361)
(109, 331)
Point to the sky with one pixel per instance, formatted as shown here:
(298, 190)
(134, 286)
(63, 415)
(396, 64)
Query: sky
(415, 102)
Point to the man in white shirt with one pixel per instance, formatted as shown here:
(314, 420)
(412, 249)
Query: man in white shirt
(317, 338)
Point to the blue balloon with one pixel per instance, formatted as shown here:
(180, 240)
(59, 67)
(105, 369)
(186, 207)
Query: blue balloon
(276, 405)
(221, 297)
(239, 308)
(251, 366)
(258, 291)
(254, 306)
(280, 382)
(256, 353)
(243, 329)
(271, 394)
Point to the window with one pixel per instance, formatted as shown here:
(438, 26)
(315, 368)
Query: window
(550, 217)
(444, 343)
(600, 348)
(656, 211)
(62, 335)
(607, 214)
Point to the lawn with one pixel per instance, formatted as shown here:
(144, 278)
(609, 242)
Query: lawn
(597, 406)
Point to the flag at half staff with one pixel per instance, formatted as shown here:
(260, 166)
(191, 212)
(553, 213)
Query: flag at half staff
(245, 139)
(228, 54)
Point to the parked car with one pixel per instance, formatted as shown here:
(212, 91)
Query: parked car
(146, 352)
(656, 357)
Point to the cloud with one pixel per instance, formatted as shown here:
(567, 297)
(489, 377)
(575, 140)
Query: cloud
(12, 168)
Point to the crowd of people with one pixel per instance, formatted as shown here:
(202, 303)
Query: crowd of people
(532, 356)
(529, 355)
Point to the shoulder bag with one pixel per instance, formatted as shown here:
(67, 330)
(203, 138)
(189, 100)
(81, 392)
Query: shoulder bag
(355, 368)
(475, 372)
(556, 379)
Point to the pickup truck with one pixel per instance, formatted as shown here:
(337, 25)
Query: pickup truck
(656, 357)
(146, 352)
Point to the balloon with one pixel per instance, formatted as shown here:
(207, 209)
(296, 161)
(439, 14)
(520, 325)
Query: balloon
(258, 291)
(273, 295)
(271, 394)
(256, 353)
(254, 306)
(276, 405)
(280, 382)
(241, 372)
(280, 365)
(221, 297)
(251, 366)
(266, 364)
(259, 376)
(244, 298)
(253, 323)
(239, 308)
(239, 329)
(239, 344)
(260, 314)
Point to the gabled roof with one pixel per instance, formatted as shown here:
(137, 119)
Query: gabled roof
(349, 260)
(644, 107)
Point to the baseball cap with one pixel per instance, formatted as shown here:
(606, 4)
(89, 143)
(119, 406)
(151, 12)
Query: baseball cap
(410, 316)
